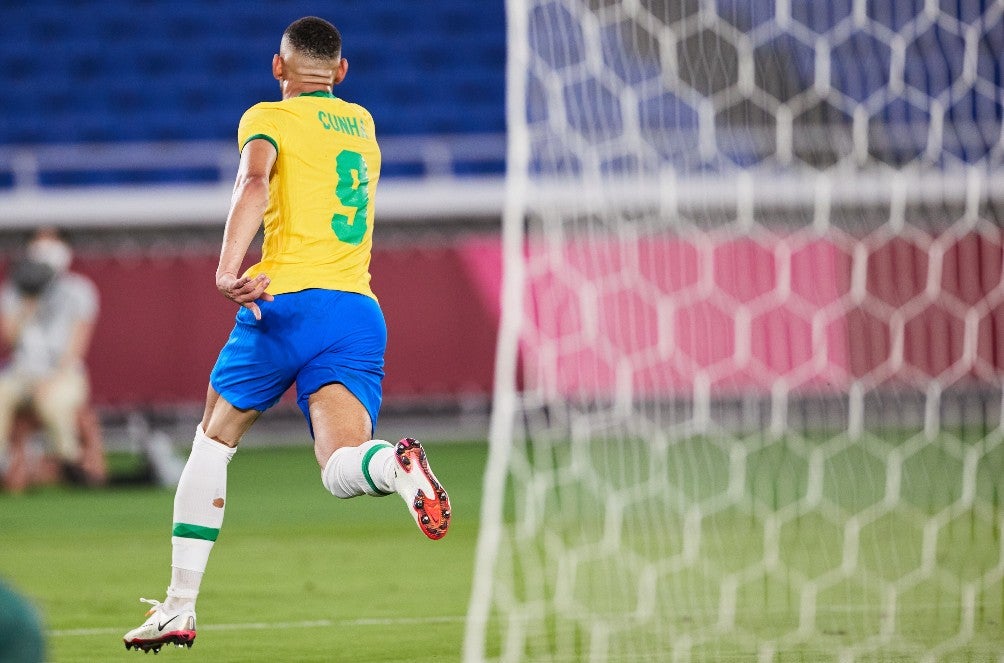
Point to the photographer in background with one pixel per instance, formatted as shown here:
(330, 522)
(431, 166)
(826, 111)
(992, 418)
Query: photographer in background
(47, 317)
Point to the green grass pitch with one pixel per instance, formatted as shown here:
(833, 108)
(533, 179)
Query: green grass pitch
(296, 575)
(300, 576)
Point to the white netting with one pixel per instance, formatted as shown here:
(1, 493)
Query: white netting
(748, 401)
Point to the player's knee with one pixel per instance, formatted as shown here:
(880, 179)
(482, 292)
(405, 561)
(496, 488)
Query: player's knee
(323, 451)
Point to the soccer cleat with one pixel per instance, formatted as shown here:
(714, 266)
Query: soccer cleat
(162, 628)
(427, 501)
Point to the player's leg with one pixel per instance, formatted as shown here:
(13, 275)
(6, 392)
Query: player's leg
(248, 378)
(200, 500)
(199, 506)
(224, 422)
(353, 465)
(339, 391)
(258, 363)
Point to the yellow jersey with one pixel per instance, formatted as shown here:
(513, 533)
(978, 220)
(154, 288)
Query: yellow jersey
(319, 221)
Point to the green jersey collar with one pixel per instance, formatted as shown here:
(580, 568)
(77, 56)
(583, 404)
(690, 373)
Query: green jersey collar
(317, 93)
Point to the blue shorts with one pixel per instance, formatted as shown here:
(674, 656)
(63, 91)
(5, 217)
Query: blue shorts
(311, 338)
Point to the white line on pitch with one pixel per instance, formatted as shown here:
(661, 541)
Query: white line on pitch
(261, 626)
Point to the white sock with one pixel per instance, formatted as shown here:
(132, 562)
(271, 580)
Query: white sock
(184, 589)
(364, 470)
(198, 515)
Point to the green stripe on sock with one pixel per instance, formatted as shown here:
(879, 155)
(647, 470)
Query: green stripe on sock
(188, 531)
(366, 467)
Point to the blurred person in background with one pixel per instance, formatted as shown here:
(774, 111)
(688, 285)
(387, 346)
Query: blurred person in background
(22, 639)
(47, 316)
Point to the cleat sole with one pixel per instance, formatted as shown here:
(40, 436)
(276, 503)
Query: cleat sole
(177, 638)
(432, 511)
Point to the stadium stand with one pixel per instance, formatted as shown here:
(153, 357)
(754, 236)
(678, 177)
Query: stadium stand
(183, 71)
(157, 71)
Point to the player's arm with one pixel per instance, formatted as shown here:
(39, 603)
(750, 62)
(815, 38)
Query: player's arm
(247, 206)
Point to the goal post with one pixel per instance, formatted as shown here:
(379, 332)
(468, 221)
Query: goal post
(748, 398)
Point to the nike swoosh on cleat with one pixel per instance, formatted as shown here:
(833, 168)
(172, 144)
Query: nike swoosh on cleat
(160, 627)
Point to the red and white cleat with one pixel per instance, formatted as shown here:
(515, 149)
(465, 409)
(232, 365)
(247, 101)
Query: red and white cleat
(162, 628)
(427, 501)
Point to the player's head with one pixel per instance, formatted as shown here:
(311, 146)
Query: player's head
(310, 54)
(314, 38)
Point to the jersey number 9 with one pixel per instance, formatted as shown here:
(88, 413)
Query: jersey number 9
(351, 191)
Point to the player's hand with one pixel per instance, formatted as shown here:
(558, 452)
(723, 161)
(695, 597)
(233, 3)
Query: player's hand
(245, 291)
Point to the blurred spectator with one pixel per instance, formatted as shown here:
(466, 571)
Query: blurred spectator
(25, 467)
(47, 316)
(21, 635)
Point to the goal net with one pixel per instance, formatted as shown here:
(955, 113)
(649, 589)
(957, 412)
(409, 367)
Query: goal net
(749, 382)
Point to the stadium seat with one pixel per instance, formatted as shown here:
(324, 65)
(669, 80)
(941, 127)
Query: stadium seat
(172, 63)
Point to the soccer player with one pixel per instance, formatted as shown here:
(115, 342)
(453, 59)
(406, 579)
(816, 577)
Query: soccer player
(309, 168)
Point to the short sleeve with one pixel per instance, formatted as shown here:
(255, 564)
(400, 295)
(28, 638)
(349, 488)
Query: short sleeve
(259, 121)
(368, 120)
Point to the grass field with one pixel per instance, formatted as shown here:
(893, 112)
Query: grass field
(713, 551)
(296, 575)
(300, 576)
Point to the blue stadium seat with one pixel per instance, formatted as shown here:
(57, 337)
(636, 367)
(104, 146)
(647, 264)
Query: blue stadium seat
(186, 69)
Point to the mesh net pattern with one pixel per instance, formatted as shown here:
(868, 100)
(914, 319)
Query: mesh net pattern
(756, 354)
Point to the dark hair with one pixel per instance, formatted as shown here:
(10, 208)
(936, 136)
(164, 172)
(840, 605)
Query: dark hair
(314, 37)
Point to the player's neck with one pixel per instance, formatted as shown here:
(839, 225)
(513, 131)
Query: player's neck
(289, 93)
(294, 87)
